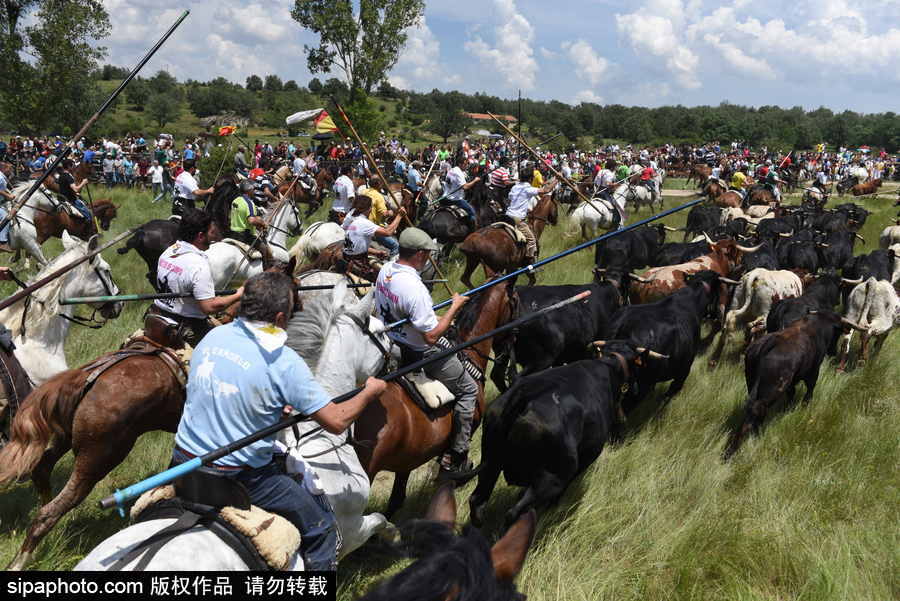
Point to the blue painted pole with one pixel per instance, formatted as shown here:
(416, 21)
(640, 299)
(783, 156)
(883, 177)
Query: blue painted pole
(558, 256)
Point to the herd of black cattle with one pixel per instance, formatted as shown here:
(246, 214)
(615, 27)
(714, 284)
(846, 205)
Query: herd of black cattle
(550, 426)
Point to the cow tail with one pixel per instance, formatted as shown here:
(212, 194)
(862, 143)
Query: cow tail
(134, 241)
(863, 319)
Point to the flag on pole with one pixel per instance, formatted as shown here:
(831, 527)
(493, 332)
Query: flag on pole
(324, 123)
(227, 130)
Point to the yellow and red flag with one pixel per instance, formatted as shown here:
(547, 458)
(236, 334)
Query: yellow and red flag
(324, 122)
(227, 130)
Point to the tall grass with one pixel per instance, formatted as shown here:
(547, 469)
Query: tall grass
(805, 511)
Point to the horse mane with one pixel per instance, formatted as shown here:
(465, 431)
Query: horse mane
(308, 328)
(469, 314)
(44, 302)
(446, 564)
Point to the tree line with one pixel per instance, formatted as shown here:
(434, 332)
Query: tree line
(51, 73)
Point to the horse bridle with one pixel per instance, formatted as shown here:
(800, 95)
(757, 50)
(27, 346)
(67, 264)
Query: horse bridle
(293, 206)
(91, 322)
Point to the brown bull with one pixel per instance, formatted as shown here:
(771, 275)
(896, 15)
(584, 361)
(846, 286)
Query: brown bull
(869, 187)
(659, 282)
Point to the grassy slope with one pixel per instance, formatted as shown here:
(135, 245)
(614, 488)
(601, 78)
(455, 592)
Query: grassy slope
(806, 511)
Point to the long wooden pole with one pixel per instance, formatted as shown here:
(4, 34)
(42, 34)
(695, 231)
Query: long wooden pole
(45, 280)
(537, 157)
(74, 140)
(425, 181)
(384, 182)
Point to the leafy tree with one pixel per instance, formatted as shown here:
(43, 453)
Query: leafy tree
(138, 92)
(365, 116)
(446, 119)
(335, 87)
(365, 45)
(110, 72)
(315, 86)
(273, 84)
(53, 90)
(163, 83)
(254, 83)
(163, 108)
(291, 86)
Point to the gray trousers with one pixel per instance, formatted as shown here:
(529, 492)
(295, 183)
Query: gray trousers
(450, 372)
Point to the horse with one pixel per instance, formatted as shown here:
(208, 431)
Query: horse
(639, 195)
(14, 385)
(149, 241)
(588, 219)
(22, 230)
(317, 237)
(495, 249)
(54, 224)
(760, 195)
(218, 205)
(311, 196)
(444, 225)
(464, 567)
(285, 223)
(39, 324)
(395, 433)
(229, 263)
(699, 172)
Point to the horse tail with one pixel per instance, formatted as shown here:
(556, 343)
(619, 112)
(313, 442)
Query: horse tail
(46, 413)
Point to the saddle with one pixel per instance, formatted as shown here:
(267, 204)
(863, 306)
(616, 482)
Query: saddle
(263, 540)
(426, 393)
(139, 345)
(252, 254)
(515, 234)
(454, 210)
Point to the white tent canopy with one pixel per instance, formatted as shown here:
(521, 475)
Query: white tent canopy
(302, 116)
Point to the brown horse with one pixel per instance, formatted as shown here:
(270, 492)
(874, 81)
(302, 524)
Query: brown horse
(14, 386)
(98, 421)
(494, 249)
(404, 435)
(699, 173)
(721, 196)
(311, 198)
(760, 195)
(52, 225)
(870, 187)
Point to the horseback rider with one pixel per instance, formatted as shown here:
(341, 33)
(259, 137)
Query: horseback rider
(379, 215)
(264, 379)
(69, 190)
(344, 193)
(244, 217)
(738, 181)
(264, 191)
(7, 196)
(456, 186)
(360, 230)
(500, 182)
(772, 181)
(184, 268)
(187, 190)
(604, 179)
(648, 178)
(400, 294)
(520, 197)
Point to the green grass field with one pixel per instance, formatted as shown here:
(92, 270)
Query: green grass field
(805, 511)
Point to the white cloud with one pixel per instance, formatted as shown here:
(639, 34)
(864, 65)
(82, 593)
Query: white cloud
(738, 59)
(419, 63)
(588, 64)
(587, 96)
(656, 36)
(512, 55)
(549, 54)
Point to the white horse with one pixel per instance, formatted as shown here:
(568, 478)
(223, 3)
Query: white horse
(325, 333)
(284, 224)
(228, 264)
(39, 324)
(22, 230)
(322, 333)
(316, 237)
(590, 218)
(639, 195)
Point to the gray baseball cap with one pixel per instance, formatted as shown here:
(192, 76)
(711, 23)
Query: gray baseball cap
(415, 239)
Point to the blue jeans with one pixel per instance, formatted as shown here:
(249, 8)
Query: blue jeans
(272, 489)
(82, 208)
(390, 243)
(464, 205)
(4, 233)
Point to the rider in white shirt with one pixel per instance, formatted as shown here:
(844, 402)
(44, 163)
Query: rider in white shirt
(187, 190)
(520, 198)
(344, 192)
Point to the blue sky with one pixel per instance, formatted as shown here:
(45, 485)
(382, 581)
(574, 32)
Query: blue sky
(836, 53)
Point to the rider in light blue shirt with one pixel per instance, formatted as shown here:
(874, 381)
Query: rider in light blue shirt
(242, 379)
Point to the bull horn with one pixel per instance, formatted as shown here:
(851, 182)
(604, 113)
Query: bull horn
(598, 270)
(599, 343)
(860, 237)
(708, 239)
(728, 281)
(748, 249)
(853, 324)
(851, 282)
(638, 278)
(824, 244)
(786, 235)
(653, 354)
(670, 229)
